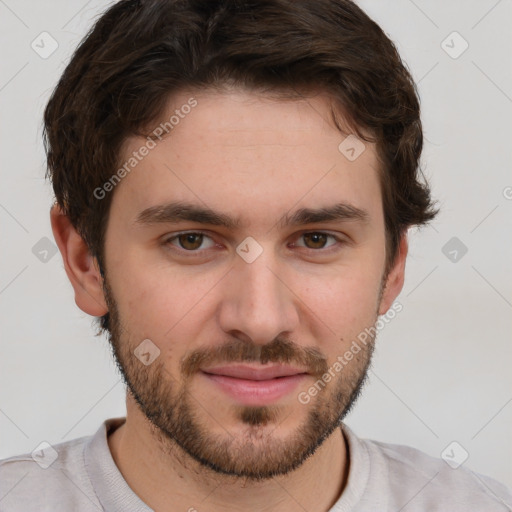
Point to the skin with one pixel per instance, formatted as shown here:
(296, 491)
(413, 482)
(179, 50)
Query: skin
(255, 159)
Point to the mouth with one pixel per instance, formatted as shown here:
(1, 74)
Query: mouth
(255, 384)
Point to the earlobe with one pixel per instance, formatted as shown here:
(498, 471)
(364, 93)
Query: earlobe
(81, 267)
(395, 280)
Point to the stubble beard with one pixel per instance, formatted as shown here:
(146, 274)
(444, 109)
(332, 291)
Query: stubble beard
(183, 428)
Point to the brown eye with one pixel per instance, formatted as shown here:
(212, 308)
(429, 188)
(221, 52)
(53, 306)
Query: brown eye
(315, 240)
(190, 241)
(193, 242)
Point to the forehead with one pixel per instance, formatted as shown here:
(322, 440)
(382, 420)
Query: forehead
(235, 149)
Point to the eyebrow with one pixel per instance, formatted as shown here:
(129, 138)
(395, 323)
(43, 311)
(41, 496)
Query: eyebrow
(337, 212)
(179, 211)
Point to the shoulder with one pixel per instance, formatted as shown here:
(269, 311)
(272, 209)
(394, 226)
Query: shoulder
(419, 481)
(433, 482)
(49, 475)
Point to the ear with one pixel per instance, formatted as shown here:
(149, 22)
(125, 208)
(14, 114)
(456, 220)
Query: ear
(395, 280)
(81, 267)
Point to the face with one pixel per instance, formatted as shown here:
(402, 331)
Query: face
(250, 251)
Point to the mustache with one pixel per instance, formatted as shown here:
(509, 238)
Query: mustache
(280, 350)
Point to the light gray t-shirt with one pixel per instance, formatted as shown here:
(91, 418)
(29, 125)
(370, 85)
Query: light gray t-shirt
(81, 475)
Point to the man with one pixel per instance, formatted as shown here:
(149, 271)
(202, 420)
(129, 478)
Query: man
(234, 182)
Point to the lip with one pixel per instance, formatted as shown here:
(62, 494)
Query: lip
(248, 372)
(255, 385)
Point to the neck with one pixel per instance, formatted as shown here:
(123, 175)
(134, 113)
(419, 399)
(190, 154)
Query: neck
(166, 478)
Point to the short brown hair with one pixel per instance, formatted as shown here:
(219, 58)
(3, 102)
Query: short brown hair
(120, 78)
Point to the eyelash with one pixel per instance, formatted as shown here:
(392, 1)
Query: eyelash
(196, 252)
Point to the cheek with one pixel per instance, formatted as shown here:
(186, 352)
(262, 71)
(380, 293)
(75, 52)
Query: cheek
(344, 303)
(163, 304)
(177, 307)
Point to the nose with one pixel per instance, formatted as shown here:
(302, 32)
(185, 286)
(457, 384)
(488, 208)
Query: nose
(257, 304)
